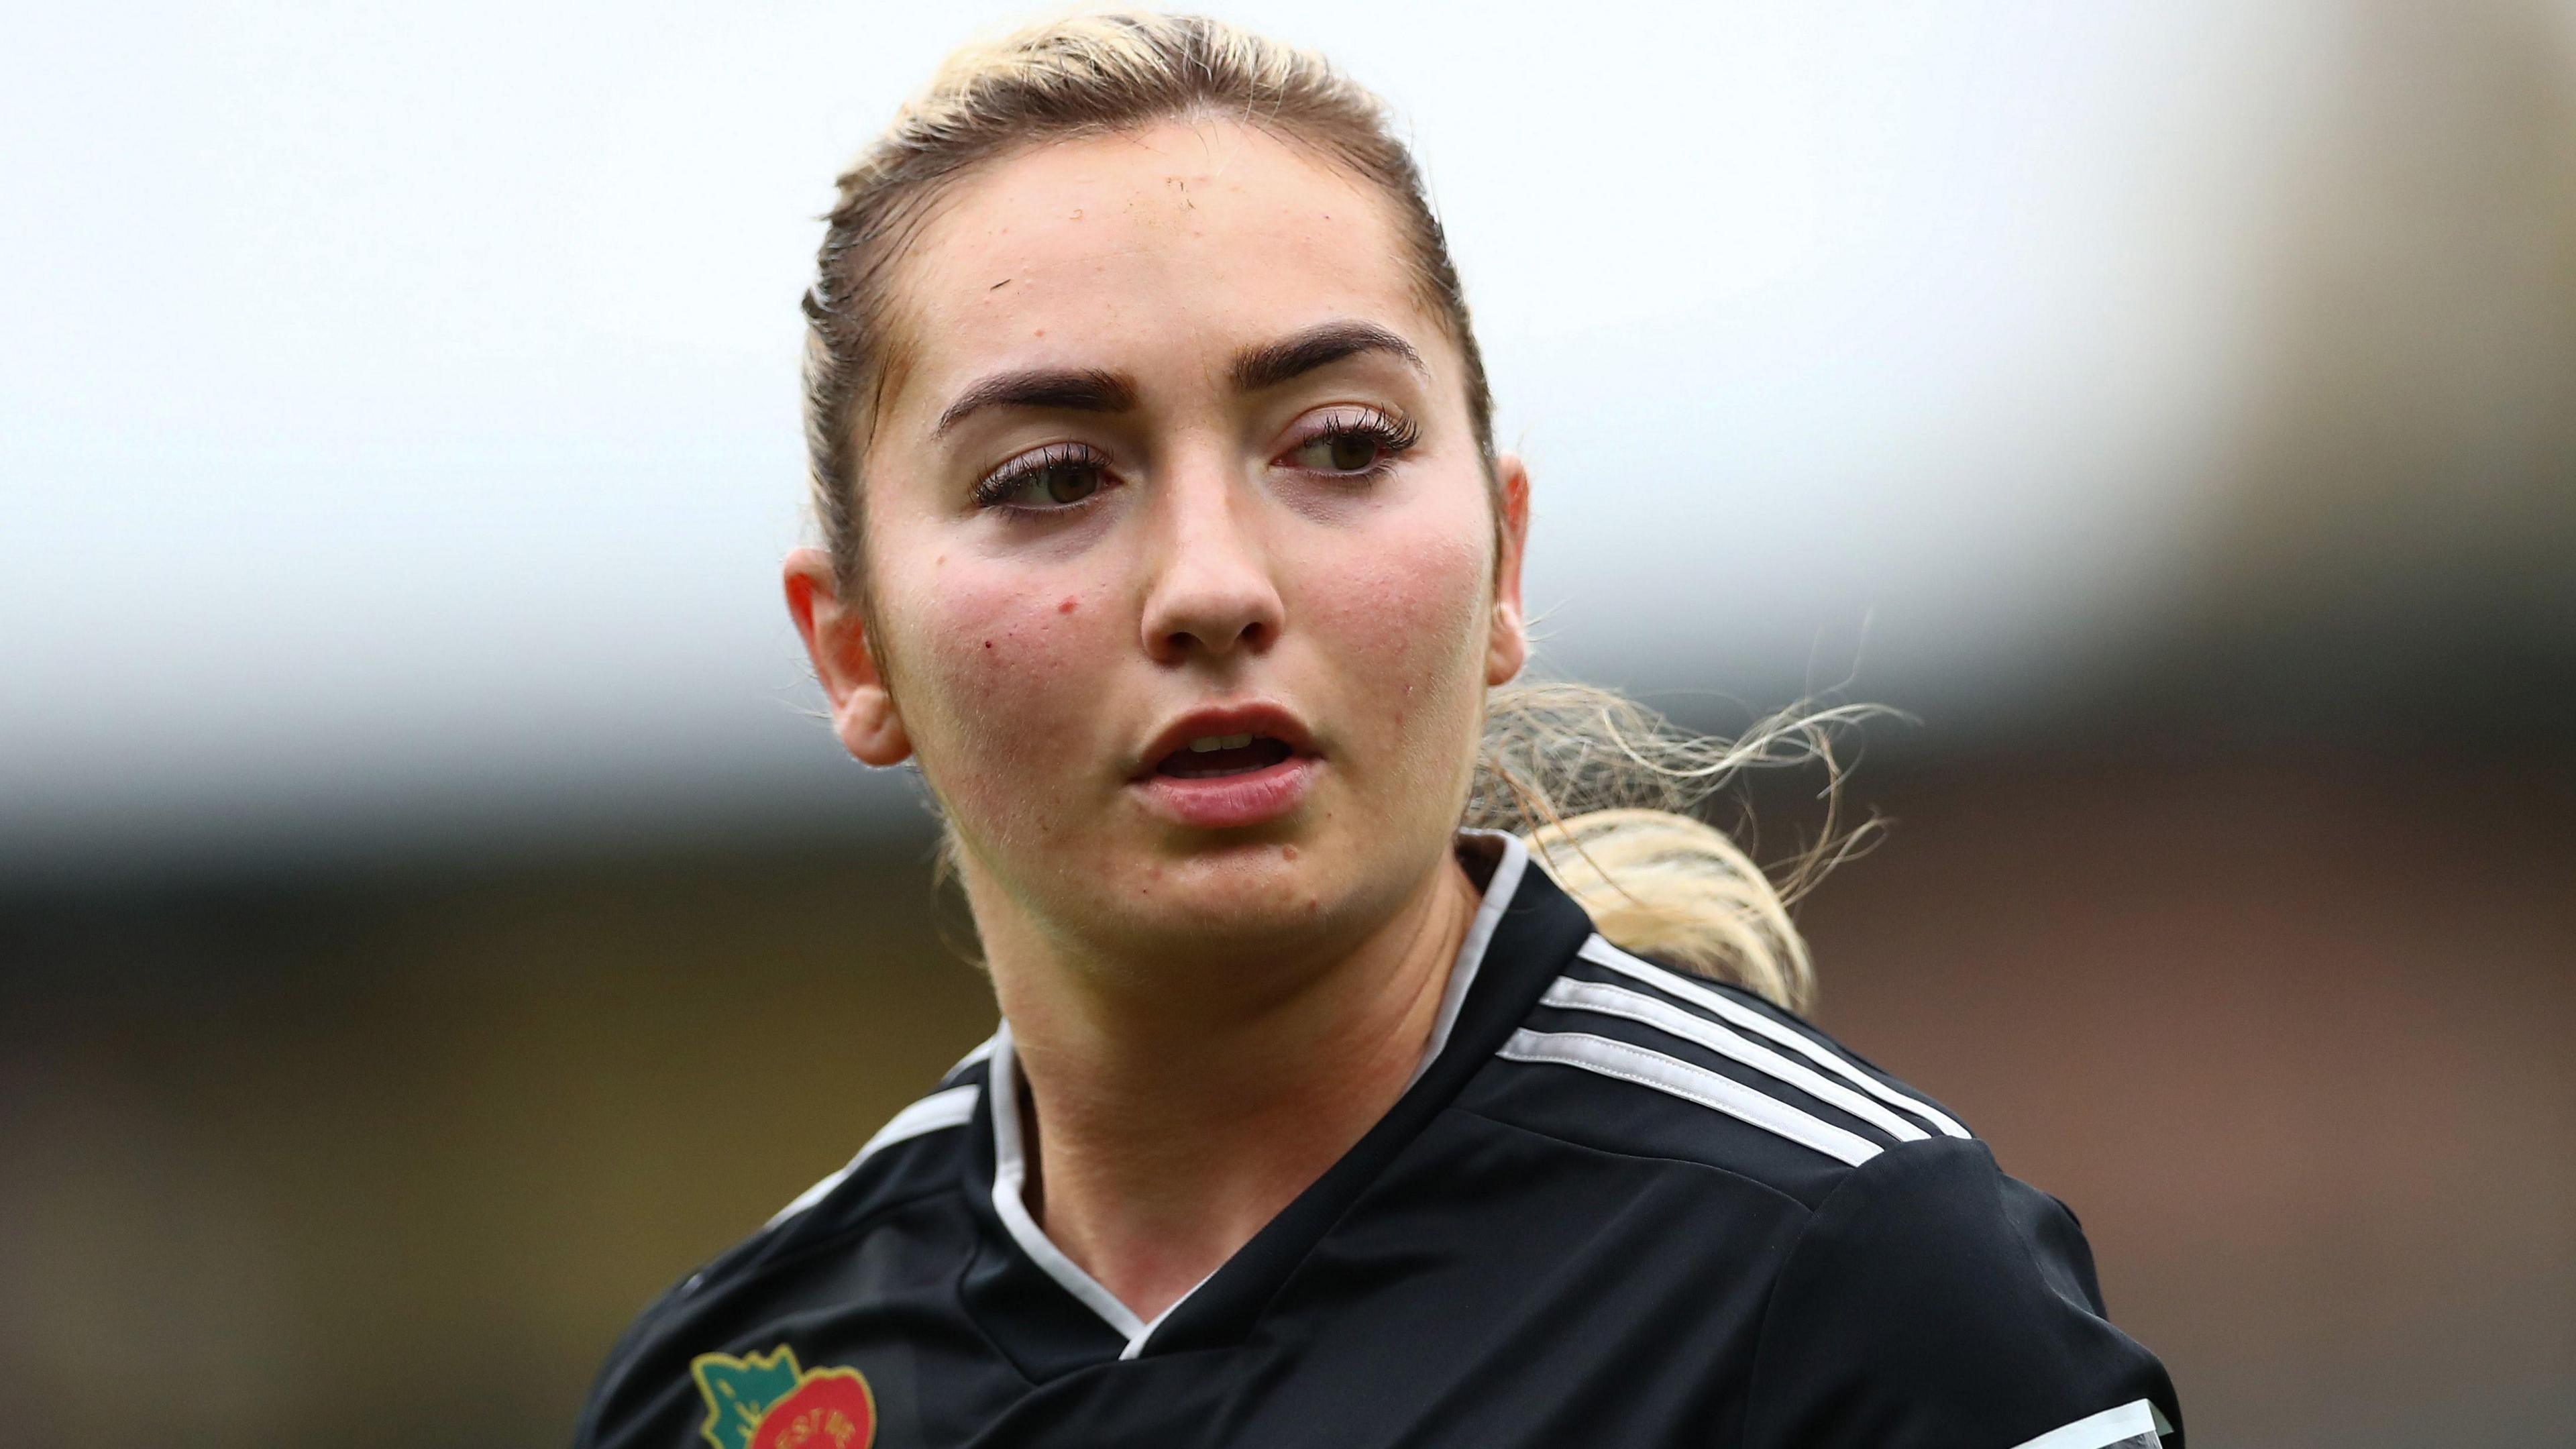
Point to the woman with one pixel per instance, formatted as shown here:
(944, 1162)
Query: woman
(1164, 531)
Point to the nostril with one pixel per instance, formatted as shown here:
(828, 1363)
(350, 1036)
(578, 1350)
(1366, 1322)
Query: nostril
(1203, 615)
(1254, 635)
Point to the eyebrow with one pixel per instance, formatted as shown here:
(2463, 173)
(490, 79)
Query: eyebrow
(1081, 390)
(1092, 390)
(1319, 346)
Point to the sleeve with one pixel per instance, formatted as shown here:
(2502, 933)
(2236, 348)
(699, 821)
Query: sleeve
(1933, 1301)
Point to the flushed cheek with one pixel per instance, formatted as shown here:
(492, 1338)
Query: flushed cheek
(1002, 670)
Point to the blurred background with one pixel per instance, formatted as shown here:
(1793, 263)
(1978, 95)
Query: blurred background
(431, 921)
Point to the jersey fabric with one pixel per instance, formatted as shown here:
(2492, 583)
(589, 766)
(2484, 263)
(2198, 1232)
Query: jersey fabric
(1618, 1207)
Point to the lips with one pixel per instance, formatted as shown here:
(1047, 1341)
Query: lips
(1219, 769)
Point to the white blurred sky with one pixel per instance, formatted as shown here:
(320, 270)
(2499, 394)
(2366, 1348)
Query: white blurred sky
(398, 408)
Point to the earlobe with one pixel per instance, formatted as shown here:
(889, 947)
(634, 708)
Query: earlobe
(870, 728)
(864, 716)
(1508, 647)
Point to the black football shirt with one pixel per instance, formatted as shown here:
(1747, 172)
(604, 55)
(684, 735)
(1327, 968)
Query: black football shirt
(1618, 1207)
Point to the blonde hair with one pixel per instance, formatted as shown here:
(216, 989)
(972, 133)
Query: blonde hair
(1603, 789)
(1595, 783)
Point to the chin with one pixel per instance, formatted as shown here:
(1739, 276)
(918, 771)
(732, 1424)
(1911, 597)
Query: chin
(1226, 893)
(1257, 875)
(1265, 894)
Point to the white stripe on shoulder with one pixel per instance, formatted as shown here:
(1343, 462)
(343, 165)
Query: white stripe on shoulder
(936, 1112)
(1692, 1084)
(1601, 953)
(1572, 995)
(2135, 1422)
(982, 1052)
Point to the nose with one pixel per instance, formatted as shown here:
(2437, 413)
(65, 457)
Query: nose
(1212, 594)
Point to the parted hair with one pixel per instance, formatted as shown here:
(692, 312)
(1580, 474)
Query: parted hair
(1602, 789)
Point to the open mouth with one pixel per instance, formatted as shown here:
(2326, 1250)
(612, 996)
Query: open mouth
(1211, 756)
(1230, 769)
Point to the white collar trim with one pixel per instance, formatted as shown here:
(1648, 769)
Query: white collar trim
(1499, 891)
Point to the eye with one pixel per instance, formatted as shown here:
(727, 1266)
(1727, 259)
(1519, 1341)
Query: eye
(1349, 451)
(1352, 442)
(1052, 479)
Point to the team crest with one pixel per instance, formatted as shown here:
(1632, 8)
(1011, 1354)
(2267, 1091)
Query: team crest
(764, 1401)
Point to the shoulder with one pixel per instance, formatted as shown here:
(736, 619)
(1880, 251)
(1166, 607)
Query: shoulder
(917, 1151)
(1919, 1295)
(1931, 1299)
(893, 1184)
(1623, 1054)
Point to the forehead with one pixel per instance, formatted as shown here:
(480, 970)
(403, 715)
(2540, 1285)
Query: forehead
(1172, 246)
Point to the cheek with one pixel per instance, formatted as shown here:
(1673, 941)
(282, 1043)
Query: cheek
(1002, 677)
(1404, 625)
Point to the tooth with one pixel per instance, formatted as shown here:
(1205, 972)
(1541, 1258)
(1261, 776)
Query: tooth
(1236, 742)
(1204, 743)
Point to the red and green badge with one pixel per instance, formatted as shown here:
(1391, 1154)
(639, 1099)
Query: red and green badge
(765, 1402)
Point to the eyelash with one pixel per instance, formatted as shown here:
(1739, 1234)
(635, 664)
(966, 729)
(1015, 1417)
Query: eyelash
(1394, 437)
(997, 486)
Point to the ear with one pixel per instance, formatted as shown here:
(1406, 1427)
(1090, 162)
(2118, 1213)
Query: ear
(836, 639)
(1508, 648)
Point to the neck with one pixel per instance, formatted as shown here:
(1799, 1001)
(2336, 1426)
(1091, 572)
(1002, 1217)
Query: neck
(1157, 1142)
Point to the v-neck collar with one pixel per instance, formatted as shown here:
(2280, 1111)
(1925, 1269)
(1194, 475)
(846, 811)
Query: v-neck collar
(1524, 929)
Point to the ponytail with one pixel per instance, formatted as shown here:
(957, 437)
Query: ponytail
(1602, 788)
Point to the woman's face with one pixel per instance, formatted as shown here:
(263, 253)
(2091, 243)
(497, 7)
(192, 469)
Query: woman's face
(1183, 562)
